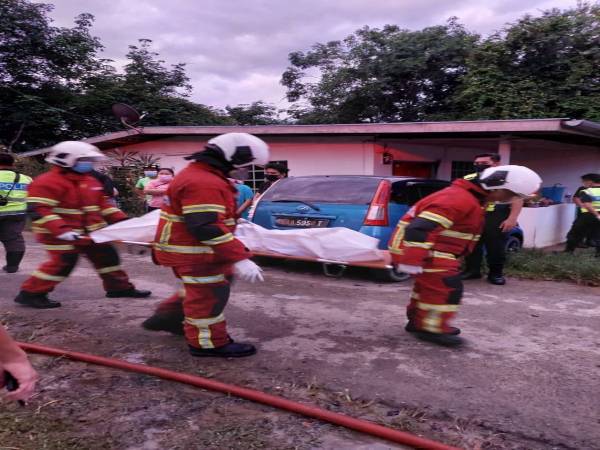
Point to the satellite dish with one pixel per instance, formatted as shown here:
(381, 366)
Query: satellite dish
(128, 116)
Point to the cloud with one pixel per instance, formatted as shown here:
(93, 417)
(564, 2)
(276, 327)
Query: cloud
(236, 50)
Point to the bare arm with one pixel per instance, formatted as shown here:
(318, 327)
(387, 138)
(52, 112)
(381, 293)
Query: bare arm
(244, 206)
(515, 209)
(14, 360)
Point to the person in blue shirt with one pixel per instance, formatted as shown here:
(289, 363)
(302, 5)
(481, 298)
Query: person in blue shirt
(243, 199)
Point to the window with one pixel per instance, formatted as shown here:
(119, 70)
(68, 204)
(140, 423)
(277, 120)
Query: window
(461, 168)
(256, 175)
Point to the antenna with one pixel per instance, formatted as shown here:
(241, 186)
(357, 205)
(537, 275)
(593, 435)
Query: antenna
(128, 116)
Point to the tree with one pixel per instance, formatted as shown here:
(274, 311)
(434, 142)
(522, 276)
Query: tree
(256, 113)
(537, 67)
(374, 75)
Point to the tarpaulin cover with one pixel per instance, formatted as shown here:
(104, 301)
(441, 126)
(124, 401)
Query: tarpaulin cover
(333, 244)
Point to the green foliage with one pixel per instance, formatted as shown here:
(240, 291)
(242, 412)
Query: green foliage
(581, 267)
(537, 67)
(256, 113)
(53, 85)
(374, 75)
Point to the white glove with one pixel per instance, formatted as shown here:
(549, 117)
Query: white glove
(248, 271)
(411, 270)
(69, 236)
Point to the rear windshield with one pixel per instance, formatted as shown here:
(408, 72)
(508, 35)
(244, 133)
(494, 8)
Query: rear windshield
(409, 193)
(352, 190)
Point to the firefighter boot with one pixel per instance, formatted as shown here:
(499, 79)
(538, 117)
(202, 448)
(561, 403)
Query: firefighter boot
(231, 350)
(495, 276)
(13, 259)
(171, 322)
(40, 301)
(133, 293)
(410, 327)
(445, 339)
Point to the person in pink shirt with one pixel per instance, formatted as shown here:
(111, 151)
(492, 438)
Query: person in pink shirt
(158, 188)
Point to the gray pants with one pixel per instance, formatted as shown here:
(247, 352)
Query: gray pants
(11, 232)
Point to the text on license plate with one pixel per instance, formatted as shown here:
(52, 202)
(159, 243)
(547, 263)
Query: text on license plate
(301, 222)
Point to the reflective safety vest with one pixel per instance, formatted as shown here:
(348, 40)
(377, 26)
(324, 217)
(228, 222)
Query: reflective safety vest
(17, 196)
(594, 193)
(490, 207)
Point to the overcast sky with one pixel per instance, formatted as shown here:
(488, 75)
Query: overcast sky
(236, 50)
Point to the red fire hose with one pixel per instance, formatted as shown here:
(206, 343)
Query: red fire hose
(363, 426)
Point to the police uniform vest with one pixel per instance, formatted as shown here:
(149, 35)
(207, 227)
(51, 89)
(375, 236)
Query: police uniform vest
(14, 190)
(594, 193)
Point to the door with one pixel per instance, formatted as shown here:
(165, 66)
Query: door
(413, 169)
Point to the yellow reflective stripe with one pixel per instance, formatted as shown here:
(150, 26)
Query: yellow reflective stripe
(432, 322)
(399, 234)
(435, 270)
(59, 247)
(67, 211)
(443, 221)
(95, 226)
(396, 251)
(43, 200)
(91, 208)
(108, 269)
(438, 308)
(443, 255)
(490, 207)
(229, 222)
(45, 276)
(184, 249)
(228, 237)
(203, 280)
(425, 245)
(165, 234)
(171, 217)
(40, 230)
(203, 208)
(470, 176)
(109, 211)
(47, 218)
(457, 234)
(203, 325)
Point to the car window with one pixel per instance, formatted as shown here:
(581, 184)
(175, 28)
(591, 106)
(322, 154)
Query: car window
(349, 190)
(409, 193)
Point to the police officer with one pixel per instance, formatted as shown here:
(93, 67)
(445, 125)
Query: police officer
(587, 222)
(13, 208)
(499, 220)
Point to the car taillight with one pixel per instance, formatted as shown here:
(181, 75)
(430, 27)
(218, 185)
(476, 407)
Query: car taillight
(377, 214)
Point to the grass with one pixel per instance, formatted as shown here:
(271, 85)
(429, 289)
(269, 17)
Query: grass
(581, 267)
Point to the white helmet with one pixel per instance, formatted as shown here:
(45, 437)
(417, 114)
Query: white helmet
(518, 179)
(242, 149)
(66, 154)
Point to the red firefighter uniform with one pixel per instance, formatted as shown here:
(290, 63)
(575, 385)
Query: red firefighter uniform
(437, 231)
(204, 264)
(60, 201)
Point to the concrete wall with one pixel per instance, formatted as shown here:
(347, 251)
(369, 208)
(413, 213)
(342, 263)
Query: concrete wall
(562, 165)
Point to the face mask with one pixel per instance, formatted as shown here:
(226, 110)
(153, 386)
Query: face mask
(272, 177)
(83, 166)
(481, 167)
(165, 178)
(240, 173)
(150, 173)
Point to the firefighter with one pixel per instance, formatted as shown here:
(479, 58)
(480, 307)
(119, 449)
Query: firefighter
(587, 222)
(195, 238)
(499, 220)
(431, 237)
(66, 203)
(13, 211)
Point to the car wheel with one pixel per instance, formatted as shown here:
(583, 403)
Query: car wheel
(513, 244)
(391, 275)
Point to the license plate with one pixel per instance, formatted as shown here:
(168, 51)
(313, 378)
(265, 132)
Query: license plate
(301, 222)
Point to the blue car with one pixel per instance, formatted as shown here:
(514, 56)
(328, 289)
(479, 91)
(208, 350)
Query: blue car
(371, 205)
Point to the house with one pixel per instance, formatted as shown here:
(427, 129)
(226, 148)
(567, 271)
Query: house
(560, 150)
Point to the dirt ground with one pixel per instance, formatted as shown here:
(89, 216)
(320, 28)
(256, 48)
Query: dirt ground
(527, 379)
